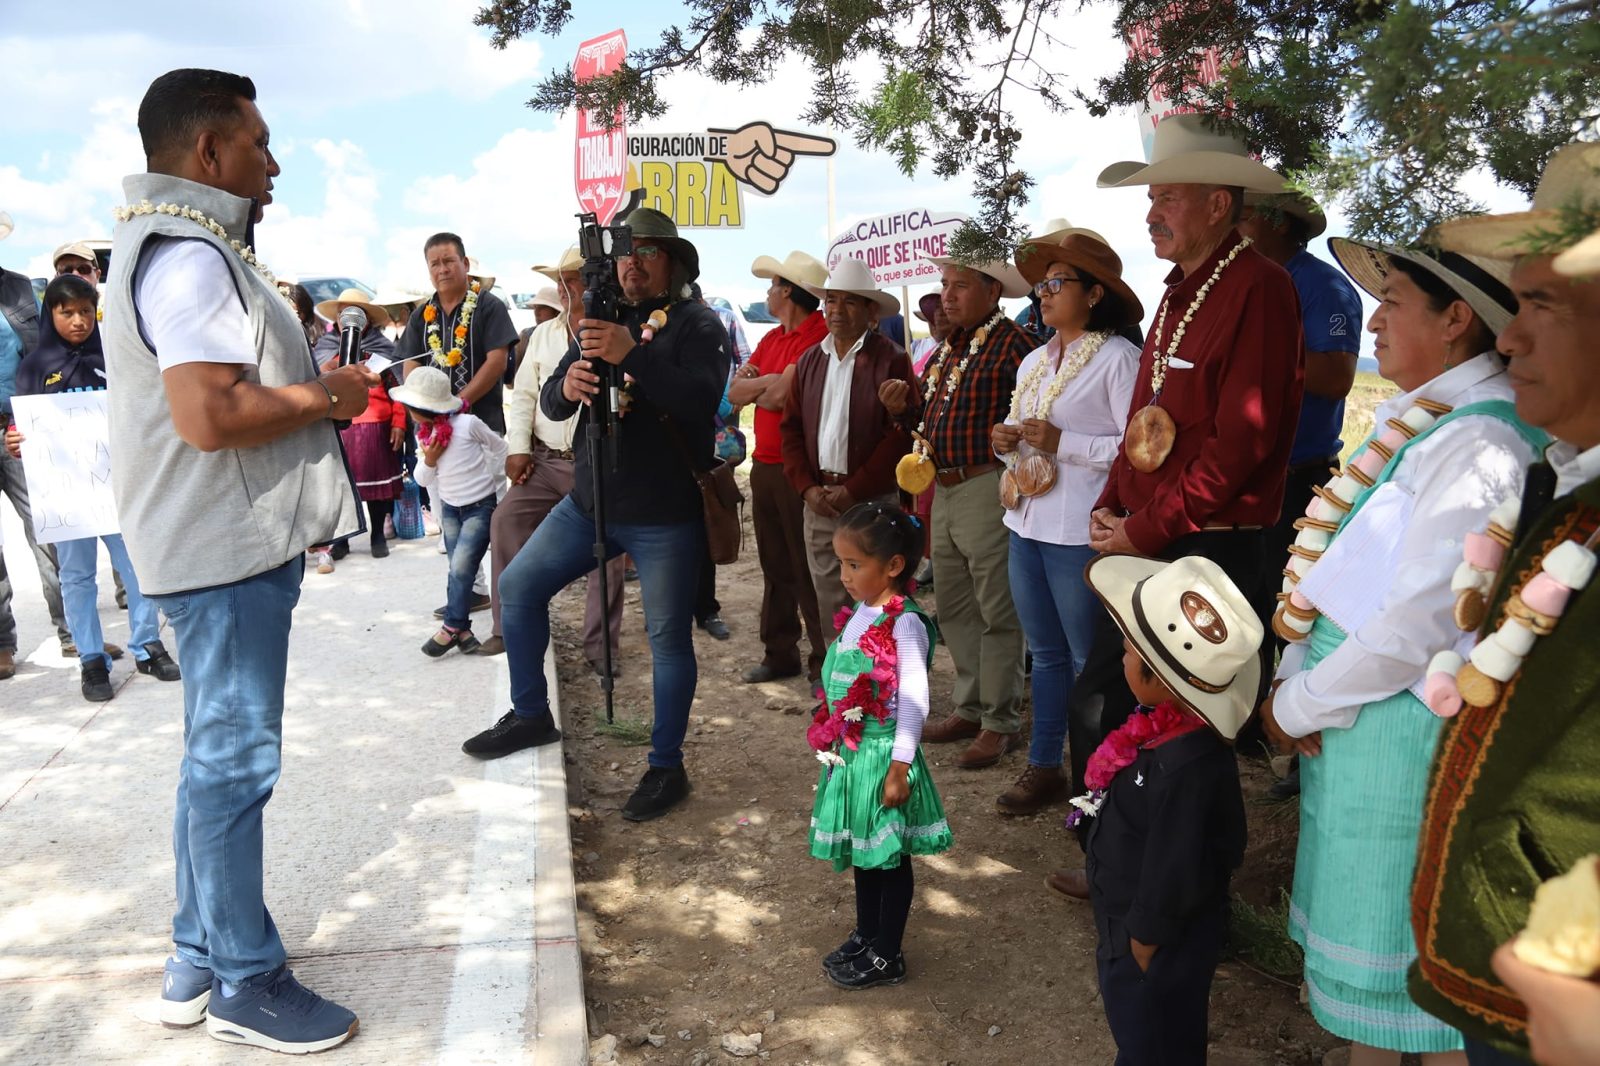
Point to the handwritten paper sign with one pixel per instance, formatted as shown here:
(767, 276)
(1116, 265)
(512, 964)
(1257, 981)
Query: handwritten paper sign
(67, 459)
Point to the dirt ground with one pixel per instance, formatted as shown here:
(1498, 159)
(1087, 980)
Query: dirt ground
(706, 927)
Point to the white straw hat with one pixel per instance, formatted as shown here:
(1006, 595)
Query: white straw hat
(797, 268)
(1188, 151)
(855, 277)
(1571, 181)
(427, 389)
(1012, 284)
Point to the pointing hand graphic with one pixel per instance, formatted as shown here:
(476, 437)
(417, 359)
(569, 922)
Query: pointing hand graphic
(760, 156)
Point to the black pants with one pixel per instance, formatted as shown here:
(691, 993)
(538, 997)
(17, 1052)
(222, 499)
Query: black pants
(1158, 1017)
(883, 904)
(705, 597)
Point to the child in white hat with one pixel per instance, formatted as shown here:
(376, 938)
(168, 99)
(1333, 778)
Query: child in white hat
(1168, 824)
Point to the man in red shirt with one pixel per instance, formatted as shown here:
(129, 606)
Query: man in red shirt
(776, 511)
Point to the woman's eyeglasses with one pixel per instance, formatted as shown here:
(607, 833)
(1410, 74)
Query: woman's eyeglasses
(1051, 286)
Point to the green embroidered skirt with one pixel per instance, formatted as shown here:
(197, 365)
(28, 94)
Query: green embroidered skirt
(850, 826)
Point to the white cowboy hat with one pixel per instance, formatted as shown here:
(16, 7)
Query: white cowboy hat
(548, 297)
(569, 263)
(475, 270)
(1299, 205)
(427, 389)
(1482, 283)
(399, 302)
(797, 268)
(1192, 626)
(1571, 179)
(853, 276)
(377, 313)
(1582, 260)
(5, 225)
(1058, 229)
(1187, 151)
(1012, 284)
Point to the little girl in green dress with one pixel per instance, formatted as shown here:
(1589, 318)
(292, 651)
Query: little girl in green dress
(876, 804)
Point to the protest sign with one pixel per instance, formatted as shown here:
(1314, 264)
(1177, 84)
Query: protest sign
(1208, 70)
(600, 155)
(893, 245)
(66, 455)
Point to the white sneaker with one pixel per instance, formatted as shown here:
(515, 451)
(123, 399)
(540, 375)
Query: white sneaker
(324, 562)
(430, 524)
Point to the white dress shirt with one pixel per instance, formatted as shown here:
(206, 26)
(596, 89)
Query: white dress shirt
(1092, 412)
(1572, 467)
(526, 420)
(833, 426)
(188, 307)
(471, 467)
(1385, 579)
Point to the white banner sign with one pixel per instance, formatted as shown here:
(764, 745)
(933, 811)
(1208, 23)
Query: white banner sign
(67, 457)
(890, 245)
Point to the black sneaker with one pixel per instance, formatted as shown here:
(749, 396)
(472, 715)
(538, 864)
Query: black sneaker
(868, 969)
(96, 682)
(340, 549)
(661, 789)
(159, 664)
(277, 1012)
(849, 950)
(511, 734)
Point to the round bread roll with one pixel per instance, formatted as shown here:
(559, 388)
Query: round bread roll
(1563, 930)
(1010, 495)
(914, 473)
(1149, 438)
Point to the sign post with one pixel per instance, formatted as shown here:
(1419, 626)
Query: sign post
(600, 156)
(892, 246)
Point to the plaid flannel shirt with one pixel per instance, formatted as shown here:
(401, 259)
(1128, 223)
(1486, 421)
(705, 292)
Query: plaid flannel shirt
(958, 426)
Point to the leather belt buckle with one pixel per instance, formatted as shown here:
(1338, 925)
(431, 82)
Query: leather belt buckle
(830, 478)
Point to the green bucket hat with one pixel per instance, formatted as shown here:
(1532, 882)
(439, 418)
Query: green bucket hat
(649, 224)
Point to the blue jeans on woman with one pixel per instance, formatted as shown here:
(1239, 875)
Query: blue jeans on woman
(466, 538)
(234, 644)
(560, 551)
(80, 594)
(1057, 610)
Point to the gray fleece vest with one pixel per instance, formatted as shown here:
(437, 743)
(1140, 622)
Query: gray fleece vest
(194, 519)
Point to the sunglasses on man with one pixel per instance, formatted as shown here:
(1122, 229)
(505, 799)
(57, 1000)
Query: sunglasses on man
(86, 270)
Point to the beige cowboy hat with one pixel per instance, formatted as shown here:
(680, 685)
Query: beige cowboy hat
(1571, 180)
(427, 389)
(399, 302)
(853, 276)
(1192, 626)
(1188, 151)
(1012, 284)
(5, 225)
(547, 297)
(1582, 260)
(1297, 204)
(797, 268)
(571, 262)
(377, 313)
(475, 270)
(1089, 254)
(1055, 230)
(1483, 283)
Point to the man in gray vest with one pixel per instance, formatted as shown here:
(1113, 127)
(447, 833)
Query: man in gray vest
(228, 465)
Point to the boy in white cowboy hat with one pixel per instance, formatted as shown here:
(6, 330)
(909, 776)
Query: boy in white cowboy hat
(1168, 818)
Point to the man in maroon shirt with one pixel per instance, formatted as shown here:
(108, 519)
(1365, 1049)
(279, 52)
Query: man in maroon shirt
(787, 594)
(1215, 406)
(969, 385)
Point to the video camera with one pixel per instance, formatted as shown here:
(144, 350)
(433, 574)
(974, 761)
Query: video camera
(601, 247)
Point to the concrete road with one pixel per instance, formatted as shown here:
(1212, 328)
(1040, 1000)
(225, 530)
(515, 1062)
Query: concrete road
(430, 893)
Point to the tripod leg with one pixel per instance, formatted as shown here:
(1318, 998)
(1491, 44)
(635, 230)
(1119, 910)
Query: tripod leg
(596, 439)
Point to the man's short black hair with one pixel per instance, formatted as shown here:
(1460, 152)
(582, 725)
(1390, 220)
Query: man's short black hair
(445, 237)
(181, 103)
(66, 289)
(803, 299)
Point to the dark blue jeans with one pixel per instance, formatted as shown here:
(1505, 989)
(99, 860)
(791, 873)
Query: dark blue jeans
(1058, 613)
(560, 551)
(466, 538)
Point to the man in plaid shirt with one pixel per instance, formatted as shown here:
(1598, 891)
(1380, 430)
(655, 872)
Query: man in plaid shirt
(972, 380)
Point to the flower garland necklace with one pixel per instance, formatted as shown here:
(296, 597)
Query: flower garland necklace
(1035, 474)
(1296, 613)
(431, 312)
(915, 473)
(439, 430)
(1145, 727)
(868, 694)
(242, 250)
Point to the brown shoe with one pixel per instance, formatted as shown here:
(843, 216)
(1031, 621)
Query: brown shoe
(8, 664)
(1072, 883)
(985, 749)
(1037, 788)
(954, 727)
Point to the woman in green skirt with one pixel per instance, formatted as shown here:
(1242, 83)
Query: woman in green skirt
(876, 805)
(1367, 601)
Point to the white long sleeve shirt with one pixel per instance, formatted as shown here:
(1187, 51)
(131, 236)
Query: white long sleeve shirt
(909, 704)
(526, 421)
(472, 467)
(1092, 412)
(1385, 580)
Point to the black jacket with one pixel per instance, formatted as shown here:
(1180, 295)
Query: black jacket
(681, 373)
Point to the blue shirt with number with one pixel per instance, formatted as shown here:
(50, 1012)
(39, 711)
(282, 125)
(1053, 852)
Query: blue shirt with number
(1331, 317)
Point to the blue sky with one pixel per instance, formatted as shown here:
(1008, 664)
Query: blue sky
(394, 118)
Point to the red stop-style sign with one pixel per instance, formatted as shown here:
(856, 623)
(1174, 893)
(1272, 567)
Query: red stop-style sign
(600, 156)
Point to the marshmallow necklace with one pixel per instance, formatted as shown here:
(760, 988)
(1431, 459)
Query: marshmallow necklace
(1035, 474)
(1151, 432)
(1333, 502)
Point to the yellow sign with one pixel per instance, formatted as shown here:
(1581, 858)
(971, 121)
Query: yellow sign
(698, 179)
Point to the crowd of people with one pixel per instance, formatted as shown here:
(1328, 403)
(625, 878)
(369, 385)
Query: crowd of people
(1154, 532)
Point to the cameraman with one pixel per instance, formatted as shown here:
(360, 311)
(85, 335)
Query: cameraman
(653, 509)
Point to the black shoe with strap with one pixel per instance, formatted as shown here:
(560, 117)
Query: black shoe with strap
(851, 949)
(159, 665)
(661, 789)
(96, 678)
(868, 969)
(511, 734)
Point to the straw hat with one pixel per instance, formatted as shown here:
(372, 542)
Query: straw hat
(1081, 252)
(1482, 283)
(1582, 260)
(797, 268)
(1011, 283)
(853, 276)
(548, 297)
(1297, 204)
(1192, 626)
(1188, 151)
(1571, 180)
(570, 263)
(475, 270)
(377, 313)
(427, 389)
(1057, 228)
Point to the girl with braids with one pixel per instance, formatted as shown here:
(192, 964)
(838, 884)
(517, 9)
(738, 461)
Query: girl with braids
(876, 804)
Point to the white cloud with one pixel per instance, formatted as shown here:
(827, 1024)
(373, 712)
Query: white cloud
(335, 240)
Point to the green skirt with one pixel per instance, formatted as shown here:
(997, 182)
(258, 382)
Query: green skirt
(850, 826)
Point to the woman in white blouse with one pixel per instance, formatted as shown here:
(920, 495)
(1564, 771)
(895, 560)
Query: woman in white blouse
(1058, 442)
(1368, 602)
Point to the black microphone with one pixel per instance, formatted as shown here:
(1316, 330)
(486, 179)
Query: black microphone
(352, 323)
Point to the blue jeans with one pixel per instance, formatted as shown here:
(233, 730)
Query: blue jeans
(466, 538)
(234, 643)
(79, 595)
(1057, 610)
(560, 551)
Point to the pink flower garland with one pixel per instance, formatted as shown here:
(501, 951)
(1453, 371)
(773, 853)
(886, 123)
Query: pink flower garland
(438, 429)
(1119, 750)
(869, 693)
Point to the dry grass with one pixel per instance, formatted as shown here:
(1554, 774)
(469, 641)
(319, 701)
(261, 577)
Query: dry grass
(1368, 392)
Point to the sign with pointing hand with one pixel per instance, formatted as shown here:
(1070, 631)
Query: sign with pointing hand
(760, 155)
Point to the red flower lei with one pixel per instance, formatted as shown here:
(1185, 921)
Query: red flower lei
(869, 693)
(438, 430)
(1118, 750)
